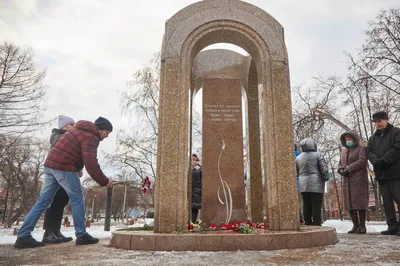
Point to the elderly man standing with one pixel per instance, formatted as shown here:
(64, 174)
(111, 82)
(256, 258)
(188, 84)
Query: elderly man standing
(75, 149)
(384, 154)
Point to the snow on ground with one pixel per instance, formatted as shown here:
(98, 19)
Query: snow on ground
(343, 226)
(96, 230)
(369, 249)
(7, 237)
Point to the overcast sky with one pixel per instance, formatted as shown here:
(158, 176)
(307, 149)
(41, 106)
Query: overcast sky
(91, 48)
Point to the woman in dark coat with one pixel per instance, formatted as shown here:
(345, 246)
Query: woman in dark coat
(353, 168)
(54, 214)
(196, 187)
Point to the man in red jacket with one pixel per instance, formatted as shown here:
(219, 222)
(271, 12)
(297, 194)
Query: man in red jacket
(75, 149)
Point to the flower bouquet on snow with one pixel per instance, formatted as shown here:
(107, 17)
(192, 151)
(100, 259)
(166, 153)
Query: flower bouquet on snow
(237, 226)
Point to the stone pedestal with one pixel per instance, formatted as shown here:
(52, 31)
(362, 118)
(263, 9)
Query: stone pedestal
(224, 240)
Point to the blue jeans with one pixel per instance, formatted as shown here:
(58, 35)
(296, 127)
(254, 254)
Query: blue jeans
(53, 179)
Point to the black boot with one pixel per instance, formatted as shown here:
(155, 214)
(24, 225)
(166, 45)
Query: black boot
(86, 240)
(354, 219)
(49, 237)
(62, 237)
(389, 232)
(362, 229)
(27, 242)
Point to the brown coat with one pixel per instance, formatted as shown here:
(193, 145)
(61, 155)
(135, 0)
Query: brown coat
(355, 185)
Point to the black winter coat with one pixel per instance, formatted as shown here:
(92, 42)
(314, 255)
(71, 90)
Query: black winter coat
(385, 145)
(196, 188)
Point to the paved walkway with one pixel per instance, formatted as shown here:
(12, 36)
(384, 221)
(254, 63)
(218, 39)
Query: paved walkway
(370, 249)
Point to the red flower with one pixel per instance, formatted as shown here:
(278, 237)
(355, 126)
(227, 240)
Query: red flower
(213, 227)
(190, 226)
(261, 225)
(144, 189)
(225, 226)
(234, 226)
(251, 225)
(146, 183)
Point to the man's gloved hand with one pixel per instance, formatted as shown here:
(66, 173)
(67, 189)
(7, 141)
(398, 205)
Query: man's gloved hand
(346, 172)
(343, 172)
(340, 171)
(380, 164)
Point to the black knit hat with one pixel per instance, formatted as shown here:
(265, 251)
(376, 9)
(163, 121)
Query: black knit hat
(380, 116)
(103, 124)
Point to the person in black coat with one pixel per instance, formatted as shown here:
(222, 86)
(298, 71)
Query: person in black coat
(384, 154)
(54, 214)
(196, 187)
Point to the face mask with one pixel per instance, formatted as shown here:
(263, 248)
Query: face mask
(349, 143)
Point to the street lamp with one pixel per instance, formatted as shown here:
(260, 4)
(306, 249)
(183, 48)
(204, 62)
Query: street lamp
(124, 208)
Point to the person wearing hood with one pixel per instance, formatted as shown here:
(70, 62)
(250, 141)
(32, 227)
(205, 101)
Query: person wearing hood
(76, 148)
(384, 154)
(296, 154)
(312, 171)
(353, 168)
(54, 214)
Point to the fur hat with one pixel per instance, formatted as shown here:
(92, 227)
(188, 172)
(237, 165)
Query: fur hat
(380, 116)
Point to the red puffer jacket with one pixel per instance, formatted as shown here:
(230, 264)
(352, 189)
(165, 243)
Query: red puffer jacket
(77, 148)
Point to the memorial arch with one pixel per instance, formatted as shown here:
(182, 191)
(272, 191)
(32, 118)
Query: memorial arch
(187, 33)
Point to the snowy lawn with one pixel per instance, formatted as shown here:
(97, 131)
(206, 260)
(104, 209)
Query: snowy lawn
(343, 226)
(97, 230)
(7, 237)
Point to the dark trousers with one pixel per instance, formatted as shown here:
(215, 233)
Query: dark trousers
(312, 204)
(195, 212)
(390, 190)
(54, 214)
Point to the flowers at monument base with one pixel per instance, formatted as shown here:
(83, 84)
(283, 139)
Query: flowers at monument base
(193, 226)
(213, 227)
(236, 226)
(225, 227)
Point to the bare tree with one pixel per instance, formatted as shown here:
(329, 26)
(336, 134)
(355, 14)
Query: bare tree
(316, 106)
(21, 166)
(136, 149)
(379, 58)
(22, 91)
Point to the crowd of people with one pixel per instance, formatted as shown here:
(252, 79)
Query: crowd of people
(74, 146)
(382, 151)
